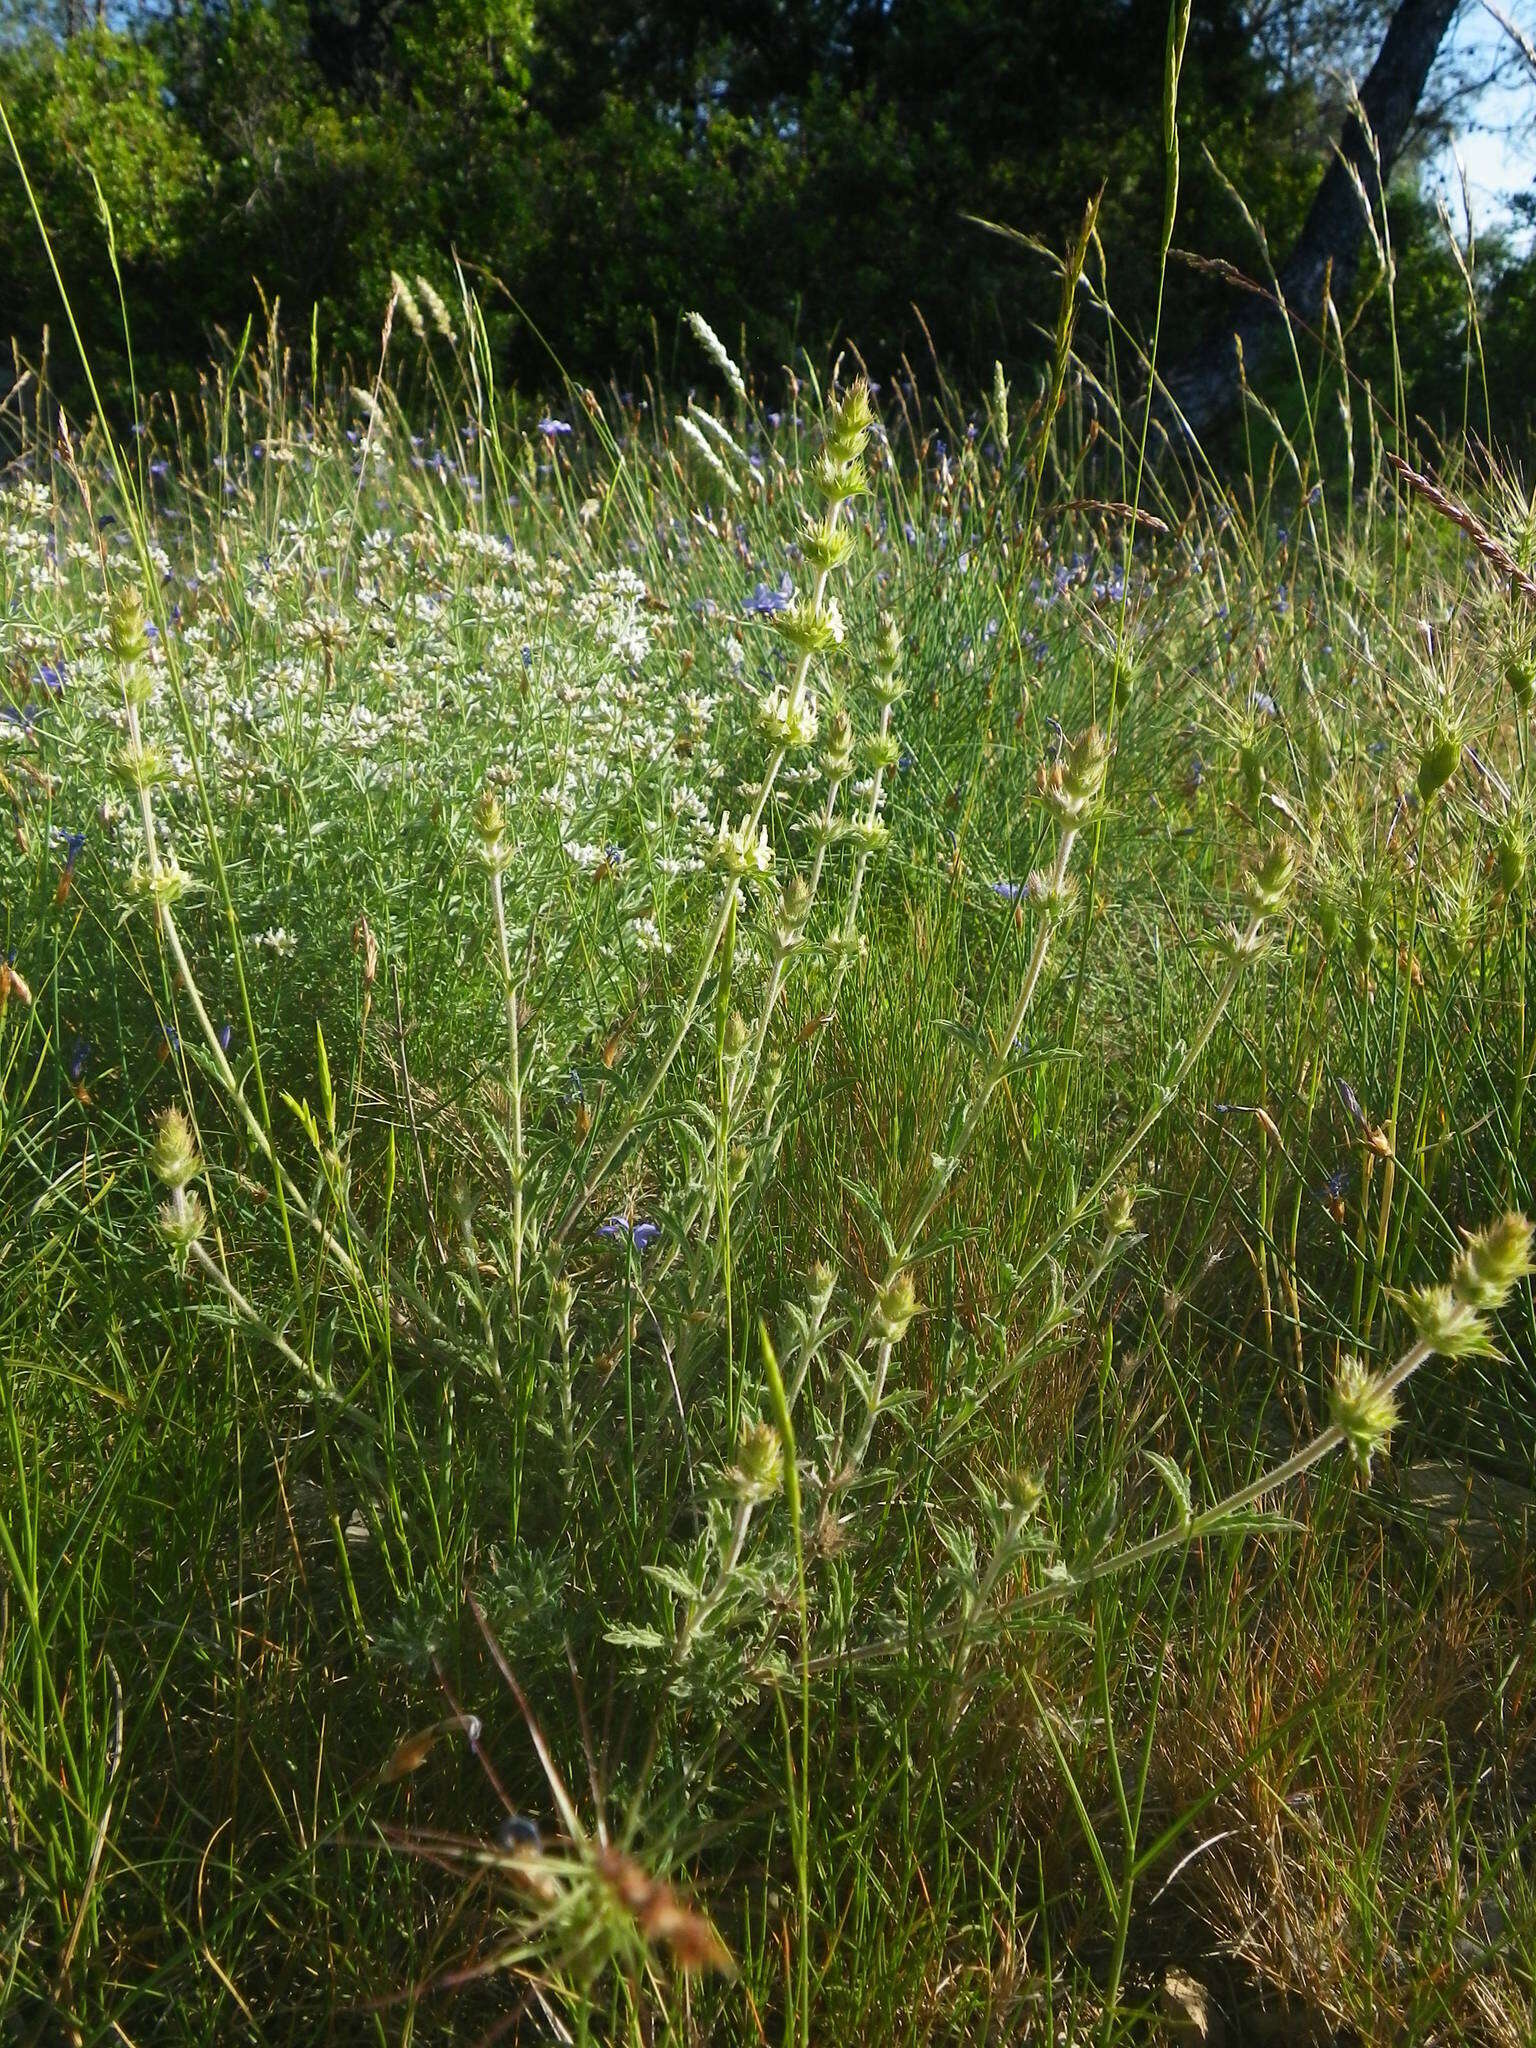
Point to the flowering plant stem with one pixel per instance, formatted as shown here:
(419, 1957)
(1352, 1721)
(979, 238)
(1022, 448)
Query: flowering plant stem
(942, 1175)
(619, 1142)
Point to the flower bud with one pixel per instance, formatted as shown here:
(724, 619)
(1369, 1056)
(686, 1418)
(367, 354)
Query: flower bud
(182, 1221)
(1493, 1262)
(1021, 1493)
(127, 633)
(758, 1472)
(895, 1308)
(1270, 883)
(849, 420)
(823, 1278)
(1520, 674)
(173, 1157)
(887, 642)
(1364, 1408)
(562, 1298)
(1447, 1323)
(1509, 858)
(1118, 1211)
(490, 819)
(795, 902)
(1072, 785)
(837, 755)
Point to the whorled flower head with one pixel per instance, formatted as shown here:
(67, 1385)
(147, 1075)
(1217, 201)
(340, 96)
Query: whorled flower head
(788, 719)
(825, 545)
(182, 1221)
(848, 422)
(1494, 1261)
(1072, 785)
(880, 752)
(741, 852)
(809, 627)
(895, 1307)
(139, 765)
(1448, 1324)
(864, 835)
(1270, 882)
(127, 629)
(1241, 942)
(758, 1472)
(837, 754)
(164, 884)
(1364, 1408)
(1119, 1211)
(836, 482)
(173, 1157)
(490, 820)
(1051, 891)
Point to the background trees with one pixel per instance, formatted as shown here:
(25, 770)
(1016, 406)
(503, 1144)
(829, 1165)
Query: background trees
(802, 166)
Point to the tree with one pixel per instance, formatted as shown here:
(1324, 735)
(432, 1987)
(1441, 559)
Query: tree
(1207, 383)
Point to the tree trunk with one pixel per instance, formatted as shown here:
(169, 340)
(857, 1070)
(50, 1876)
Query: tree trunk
(1205, 384)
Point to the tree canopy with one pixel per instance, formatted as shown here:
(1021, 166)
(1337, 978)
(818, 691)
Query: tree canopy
(803, 168)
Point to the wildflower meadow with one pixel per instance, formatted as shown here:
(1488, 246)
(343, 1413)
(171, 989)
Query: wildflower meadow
(763, 1166)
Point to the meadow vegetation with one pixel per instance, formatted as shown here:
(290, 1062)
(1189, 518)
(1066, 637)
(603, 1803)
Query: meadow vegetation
(762, 1270)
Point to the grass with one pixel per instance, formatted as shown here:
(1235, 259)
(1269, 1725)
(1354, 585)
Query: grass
(718, 1434)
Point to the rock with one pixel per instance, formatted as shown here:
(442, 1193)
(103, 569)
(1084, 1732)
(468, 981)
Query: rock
(1190, 2011)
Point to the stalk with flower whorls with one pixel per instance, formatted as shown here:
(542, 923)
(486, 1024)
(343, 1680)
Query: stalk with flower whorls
(812, 627)
(165, 884)
(175, 1162)
(1449, 1321)
(756, 1477)
(1267, 890)
(889, 688)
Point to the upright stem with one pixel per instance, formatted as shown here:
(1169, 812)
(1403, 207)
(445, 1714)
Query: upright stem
(597, 1173)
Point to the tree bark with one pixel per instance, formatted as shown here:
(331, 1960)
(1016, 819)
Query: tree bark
(1206, 384)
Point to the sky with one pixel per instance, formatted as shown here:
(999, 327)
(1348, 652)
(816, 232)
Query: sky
(1497, 144)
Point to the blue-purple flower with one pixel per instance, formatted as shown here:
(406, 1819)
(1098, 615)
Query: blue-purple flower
(765, 600)
(626, 1230)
